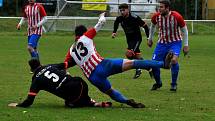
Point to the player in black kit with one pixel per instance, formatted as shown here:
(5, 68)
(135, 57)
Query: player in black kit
(131, 24)
(54, 79)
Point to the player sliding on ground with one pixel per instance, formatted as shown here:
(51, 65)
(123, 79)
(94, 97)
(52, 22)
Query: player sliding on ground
(97, 69)
(54, 79)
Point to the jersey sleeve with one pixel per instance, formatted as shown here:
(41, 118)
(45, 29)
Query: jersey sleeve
(140, 21)
(69, 61)
(31, 96)
(23, 11)
(154, 18)
(91, 33)
(180, 20)
(116, 24)
(42, 11)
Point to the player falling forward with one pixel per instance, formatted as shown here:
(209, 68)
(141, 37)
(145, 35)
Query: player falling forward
(97, 69)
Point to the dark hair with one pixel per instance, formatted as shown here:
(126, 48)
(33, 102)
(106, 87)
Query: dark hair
(123, 6)
(34, 64)
(80, 30)
(165, 2)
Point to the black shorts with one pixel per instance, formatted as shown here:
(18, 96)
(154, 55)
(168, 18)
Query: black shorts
(134, 41)
(79, 97)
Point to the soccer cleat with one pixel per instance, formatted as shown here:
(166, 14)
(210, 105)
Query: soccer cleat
(167, 62)
(134, 104)
(137, 73)
(156, 86)
(173, 88)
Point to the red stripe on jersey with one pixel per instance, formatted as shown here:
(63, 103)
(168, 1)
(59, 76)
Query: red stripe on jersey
(166, 29)
(170, 26)
(162, 32)
(175, 29)
(32, 93)
(85, 71)
(92, 64)
(95, 59)
(88, 67)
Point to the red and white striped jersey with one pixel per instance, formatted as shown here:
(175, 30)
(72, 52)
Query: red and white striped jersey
(34, 14)
(84, 52)
(169, 26)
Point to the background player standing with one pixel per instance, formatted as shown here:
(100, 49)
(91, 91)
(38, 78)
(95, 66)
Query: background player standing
(131, 24)
(170, 24)
(35, 15)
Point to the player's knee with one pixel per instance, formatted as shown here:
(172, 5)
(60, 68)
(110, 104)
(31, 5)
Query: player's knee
(174, 60)
(130, 54)
(30, 48)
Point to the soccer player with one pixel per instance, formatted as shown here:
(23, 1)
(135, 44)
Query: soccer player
(170, 24)
(131, 25)
(97, 69)
(54, 79)
(35, 15)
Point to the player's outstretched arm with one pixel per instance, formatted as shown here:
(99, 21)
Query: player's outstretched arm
(26, 103)
(101, 22)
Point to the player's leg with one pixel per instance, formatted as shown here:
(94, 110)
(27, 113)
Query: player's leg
(84, 99)
(133, 51)
(101, 82)
(99, 78)
(137, 56)
(32, 45)
(175, 48)
(158, 55)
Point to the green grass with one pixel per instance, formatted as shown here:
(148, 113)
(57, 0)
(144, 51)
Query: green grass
(194, 100)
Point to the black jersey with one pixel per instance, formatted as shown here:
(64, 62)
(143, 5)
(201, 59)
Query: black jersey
(53, 78)
(130, 24)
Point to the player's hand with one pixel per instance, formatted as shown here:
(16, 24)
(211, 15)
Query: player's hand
(150, 43)
(18, 26)
(102, 18)
(113, 35)
(185, 50)
(12, 104)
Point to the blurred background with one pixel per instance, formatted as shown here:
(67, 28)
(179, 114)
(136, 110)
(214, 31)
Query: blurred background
(190, 9)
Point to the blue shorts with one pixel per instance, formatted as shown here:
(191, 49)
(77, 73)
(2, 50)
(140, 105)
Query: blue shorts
(162, 49)
(106, 68)
(33, 40)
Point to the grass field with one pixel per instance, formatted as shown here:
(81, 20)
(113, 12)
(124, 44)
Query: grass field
(193, 101)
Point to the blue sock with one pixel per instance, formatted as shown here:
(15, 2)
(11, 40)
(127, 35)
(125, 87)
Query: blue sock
(156, 73)
(34, 55)
(146, 64)
(117, 96)
(174, 72)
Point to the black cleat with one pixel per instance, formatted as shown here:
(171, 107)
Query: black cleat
(173, 88)
(156, 86)
(167, 62)
(137, 73)
(134, 104)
